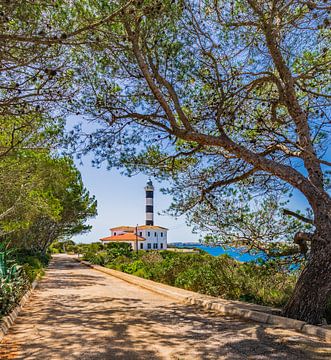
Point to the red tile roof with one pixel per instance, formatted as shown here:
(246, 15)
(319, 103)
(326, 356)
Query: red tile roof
(124, 228)
(123, 237)
(152, 227)
(141, 227)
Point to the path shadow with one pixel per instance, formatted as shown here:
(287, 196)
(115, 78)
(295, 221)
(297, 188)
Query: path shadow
(80, 324)
(64, 272)
(116, 330)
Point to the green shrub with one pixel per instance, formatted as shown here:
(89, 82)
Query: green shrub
(119, 249)
(264, 283)
(14, 282)
(111, 266)
(23, 256)
(34, 262)
(134, 266)
(19, 268)
(215, 277)
(172, 265)
(151, 258)
(32, 273)
(143, 273)
(12, 287)
(99, 258)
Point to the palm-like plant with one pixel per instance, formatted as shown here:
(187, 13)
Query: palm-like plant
(13, 280)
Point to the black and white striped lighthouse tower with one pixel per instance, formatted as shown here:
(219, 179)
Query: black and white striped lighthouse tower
(149, 189)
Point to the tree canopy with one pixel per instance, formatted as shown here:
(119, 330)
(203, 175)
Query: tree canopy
(43, 199)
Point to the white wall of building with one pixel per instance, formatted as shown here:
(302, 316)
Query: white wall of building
(155, 239)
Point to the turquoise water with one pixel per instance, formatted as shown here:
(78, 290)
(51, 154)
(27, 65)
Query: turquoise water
(218, 250)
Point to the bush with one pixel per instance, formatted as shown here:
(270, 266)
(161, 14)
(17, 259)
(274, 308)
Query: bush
(24, 256)
(133, 267)
(173, 264)
(115, 250)
(265, 283)
(19, 268)
(151, 258)
(12, 287)
(143, 273)
(214, 277)
(99, 258)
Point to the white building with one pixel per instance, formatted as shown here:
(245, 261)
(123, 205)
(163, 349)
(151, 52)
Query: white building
(146, 237)
(143, 237)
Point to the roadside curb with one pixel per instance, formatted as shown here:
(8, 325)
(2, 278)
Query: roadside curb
(258, 313)
(7, 321)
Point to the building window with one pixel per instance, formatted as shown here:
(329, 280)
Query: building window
(161, 246)
(141, 246)
(140, 234)
(149, 246)
(154, 246)
(155, 234)
(148, 234)
(161, 234)
(114, 233)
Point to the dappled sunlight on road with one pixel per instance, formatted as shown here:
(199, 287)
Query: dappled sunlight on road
(79, 313)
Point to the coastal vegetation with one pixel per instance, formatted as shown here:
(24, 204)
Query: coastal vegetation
(270, 282)
(265, 282)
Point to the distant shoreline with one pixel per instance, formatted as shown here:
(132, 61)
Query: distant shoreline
(235, 253)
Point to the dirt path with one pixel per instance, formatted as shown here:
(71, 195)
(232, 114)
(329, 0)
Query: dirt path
(79, 313)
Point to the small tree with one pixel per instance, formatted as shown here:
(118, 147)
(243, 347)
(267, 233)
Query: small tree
(74, 207)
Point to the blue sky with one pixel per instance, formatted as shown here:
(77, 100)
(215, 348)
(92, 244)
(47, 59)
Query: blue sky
(121, 201)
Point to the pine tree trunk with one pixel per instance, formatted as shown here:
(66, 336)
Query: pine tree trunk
(313, 289)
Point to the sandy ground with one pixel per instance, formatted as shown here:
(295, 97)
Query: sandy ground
(79, 313)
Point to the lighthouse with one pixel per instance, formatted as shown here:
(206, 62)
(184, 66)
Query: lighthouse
(149, 190)
(144, 237)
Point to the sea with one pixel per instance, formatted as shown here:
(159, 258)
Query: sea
(236, 253)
